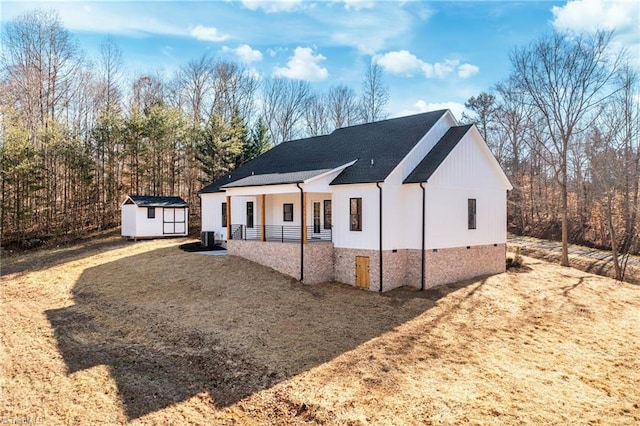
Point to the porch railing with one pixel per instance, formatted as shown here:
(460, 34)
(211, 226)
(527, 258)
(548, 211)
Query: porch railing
(279, 233)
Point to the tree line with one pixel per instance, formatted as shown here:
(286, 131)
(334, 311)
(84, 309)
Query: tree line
(565, 127)
(77, 134)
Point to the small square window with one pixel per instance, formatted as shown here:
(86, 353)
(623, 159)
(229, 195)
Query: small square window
(287, 212)
(151, 212)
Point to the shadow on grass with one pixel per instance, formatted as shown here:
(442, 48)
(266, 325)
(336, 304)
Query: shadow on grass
(170, 325)
(41, 259)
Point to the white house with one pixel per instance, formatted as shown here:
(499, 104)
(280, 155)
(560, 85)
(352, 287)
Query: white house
(417, 201)
(149, 217)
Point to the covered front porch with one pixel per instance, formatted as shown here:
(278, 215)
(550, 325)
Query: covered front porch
(282, 217)
(280, 233)
(284, 221)
(283, 227)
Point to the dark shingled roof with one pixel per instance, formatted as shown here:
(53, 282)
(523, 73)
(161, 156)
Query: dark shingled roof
(275, 178)
(385, 142)
(151, 201)
(437, 155)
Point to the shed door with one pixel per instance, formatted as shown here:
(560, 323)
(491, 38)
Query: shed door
(173, 221)
(180, 221)
(362, 271)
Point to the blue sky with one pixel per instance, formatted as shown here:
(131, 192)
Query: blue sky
(435, 54)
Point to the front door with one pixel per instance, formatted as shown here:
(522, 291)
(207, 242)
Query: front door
(362, 271)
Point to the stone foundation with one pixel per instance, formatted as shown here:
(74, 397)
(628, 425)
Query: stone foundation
(394, 269)
(323, 263)
(345, 266)
(285, 258)
(460, 263)
(318, 262)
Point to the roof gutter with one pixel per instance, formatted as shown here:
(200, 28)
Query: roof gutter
(380, 237)
(301, 231)
(423, 236)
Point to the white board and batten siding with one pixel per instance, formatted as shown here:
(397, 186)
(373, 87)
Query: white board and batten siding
(369, 236)
(421, 149)
(211, 211)
(129, 213)
(468, 172)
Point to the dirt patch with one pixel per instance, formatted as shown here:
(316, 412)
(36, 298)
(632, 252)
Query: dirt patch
(145, 333)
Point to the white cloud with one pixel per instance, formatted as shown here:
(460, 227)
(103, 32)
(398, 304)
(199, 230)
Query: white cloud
(201, 32)
(245, 53)
(273, 6)
(405, 63)
(422, 106)
(359, 4)
(271, 51)
(467, 70)
(401, 62)
(303, 65)
(442, 69)
(591, 15)
(368, 30)
(588, 16)
(100, 17)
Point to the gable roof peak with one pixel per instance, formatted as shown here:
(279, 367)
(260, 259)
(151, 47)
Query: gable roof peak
(387, 142)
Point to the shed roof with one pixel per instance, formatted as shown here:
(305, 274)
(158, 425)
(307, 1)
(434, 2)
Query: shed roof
(378, 146)
(153, 201)
(437, 155)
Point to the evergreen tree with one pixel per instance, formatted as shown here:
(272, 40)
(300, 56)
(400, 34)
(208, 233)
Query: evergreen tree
(259, 142)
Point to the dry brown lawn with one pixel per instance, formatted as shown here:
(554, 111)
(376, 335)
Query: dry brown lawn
(121, 332)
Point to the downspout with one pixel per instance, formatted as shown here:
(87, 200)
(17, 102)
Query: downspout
(380, 239)
(423, 237)
(301, 231)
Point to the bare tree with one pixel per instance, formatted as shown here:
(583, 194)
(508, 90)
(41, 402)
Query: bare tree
(628, 135)
(614, 159)
(42, 60)
(194, 83)
(283, 104)
(40, 69)
(375, 95)
(147, 91)
(484, 109)
(343, 106)
(564, 79)
(317, 116)
(234, 91)
(107, 131)
(110, 71)
(513, 125)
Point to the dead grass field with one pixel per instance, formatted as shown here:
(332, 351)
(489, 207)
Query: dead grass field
(144, 333)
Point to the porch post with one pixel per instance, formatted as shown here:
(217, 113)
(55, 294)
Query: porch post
(263, 205)
(229, 237)
(304, 218)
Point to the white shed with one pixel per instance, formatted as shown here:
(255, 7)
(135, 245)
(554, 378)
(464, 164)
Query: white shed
(150, 217)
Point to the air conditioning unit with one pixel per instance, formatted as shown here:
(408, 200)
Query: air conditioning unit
(208, 239)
